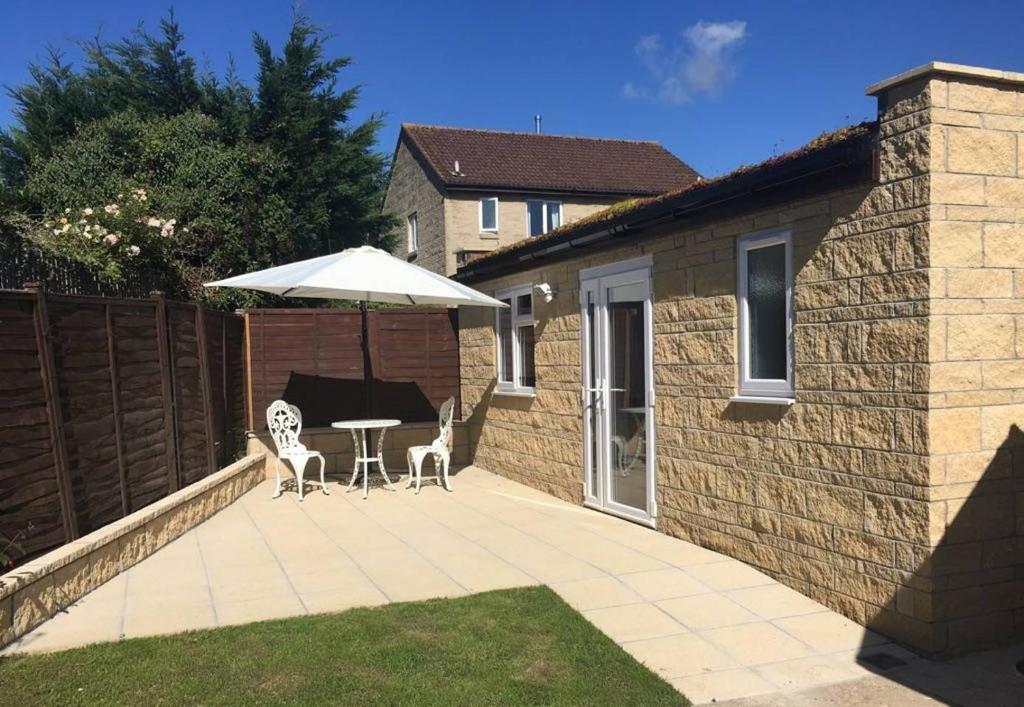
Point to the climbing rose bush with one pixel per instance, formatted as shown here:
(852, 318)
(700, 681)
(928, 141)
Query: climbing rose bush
(112, 239)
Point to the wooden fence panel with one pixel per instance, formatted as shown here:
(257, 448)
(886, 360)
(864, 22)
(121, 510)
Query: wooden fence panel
(28, 477)
(136, 347)
(233, 376)
(314, 359)
(79, 340)
(189, 406)
(311, 357)
(416, 358)
(107, 405)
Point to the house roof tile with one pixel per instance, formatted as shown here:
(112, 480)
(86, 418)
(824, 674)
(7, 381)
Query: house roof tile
(540, 162)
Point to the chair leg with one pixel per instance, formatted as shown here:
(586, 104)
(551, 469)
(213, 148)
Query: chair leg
(300, 470)
(445, 462)
(419, 471)
(409, 462)
(323, 481)
(277, 469)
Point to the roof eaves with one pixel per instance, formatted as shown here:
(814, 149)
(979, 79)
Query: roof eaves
(550, 190)
(827, 152)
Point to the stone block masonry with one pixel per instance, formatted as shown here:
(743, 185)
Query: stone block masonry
(892, 490)
(37, 590)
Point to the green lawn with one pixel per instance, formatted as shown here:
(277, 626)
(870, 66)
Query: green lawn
(523, 646)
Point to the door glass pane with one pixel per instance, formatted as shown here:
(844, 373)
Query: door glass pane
(766, 306)
(526, 356)
(627, 404)
(590, 395)
(505, 343)
(535, 216)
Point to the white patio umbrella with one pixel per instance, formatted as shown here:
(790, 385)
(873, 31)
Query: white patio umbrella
(366, 274)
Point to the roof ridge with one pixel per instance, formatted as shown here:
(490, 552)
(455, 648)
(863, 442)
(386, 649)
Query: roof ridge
(532, 134)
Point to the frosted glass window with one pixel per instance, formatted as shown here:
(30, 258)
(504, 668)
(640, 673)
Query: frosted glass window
(766, 302)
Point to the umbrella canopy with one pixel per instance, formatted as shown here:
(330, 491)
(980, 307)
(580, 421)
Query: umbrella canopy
(365, 273)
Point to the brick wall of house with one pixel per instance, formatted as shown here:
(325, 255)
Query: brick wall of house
(892, 489)
(972, 131)
(462, 220)
(411, 191)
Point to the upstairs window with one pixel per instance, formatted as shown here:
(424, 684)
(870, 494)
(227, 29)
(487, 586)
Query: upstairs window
(414, 233)
(543, 216)
(765, 301)
(515, 341)
(489, 215)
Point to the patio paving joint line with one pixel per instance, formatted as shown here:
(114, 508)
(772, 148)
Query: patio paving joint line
(206, 576)
(587, 512)
(345, 552)
(477, 544)
(277, 560)
(415, 550)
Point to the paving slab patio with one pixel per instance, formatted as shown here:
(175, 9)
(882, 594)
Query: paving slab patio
(712, 626)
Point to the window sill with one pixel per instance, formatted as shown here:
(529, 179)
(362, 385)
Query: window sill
(763, 399)
(489, 234)
(521, 393)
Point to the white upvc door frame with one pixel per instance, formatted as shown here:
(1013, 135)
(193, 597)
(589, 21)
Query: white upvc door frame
(594, 287)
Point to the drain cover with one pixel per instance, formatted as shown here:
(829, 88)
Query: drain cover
(882, 661)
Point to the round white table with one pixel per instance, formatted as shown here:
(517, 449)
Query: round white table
(360, 445)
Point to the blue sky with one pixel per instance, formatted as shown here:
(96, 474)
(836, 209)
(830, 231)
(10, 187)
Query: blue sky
(718, 83)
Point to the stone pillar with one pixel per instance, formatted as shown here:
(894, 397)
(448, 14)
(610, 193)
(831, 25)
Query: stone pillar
(964, 134)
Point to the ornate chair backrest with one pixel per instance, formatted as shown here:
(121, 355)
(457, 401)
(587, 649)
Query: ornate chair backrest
(444, 422)
(285, 424)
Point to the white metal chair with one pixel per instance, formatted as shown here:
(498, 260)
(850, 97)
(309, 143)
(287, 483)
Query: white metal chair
(285, 424)
(438, 449)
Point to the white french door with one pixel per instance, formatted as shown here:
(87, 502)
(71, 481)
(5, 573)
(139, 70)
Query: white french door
(618, 389)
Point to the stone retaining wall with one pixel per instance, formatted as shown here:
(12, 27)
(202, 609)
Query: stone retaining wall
(34, 592)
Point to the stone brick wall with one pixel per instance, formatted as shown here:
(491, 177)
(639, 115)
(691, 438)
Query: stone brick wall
(40, 589)
(891, 490)
(828, 495)
(411, 191)
(973, 128)
(462, 220)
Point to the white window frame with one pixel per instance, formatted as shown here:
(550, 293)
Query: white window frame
(544, 215)
(514, 387)
(763, 390)
(480, 214)
(413, 227)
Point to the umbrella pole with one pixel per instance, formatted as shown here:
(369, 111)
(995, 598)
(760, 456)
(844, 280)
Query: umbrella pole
(367, 363)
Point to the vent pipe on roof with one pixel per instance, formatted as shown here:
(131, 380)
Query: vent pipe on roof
(536, 124)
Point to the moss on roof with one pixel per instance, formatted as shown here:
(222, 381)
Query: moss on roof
(621, 208)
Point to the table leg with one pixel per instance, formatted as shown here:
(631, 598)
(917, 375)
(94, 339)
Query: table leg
(366, 468)
(355, 462)
(380, 459)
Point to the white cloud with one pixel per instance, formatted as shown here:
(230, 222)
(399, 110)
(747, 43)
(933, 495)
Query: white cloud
(701, 63)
